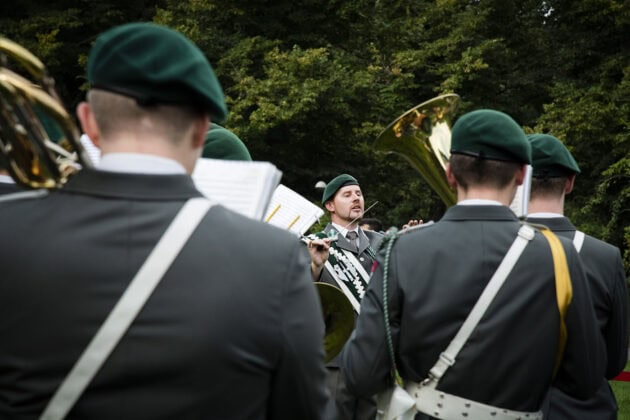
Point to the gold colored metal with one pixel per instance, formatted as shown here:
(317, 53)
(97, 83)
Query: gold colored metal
(422, 135)
(338, 318)
(39, 142)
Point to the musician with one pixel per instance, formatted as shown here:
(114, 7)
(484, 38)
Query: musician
(371, 223)
(553, 177)
(437, 273)
(221, 143)
(343, 257)
(232, 331)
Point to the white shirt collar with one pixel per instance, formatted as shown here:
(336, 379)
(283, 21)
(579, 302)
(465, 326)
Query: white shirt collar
(545, 215)
(139, 163)
(478, 202)
(6, 179)
(342, 230)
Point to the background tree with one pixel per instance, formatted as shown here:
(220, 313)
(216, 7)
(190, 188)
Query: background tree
(310, 83)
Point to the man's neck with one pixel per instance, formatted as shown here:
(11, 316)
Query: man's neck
(546, 205)
(504, 196)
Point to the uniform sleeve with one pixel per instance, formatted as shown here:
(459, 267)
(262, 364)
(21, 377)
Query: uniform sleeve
(582, 367)
(298, 389)
(365, 359)
(616, 331)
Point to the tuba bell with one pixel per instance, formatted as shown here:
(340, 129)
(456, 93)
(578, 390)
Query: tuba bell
(422, 135)
(338, 318)
(39, 142)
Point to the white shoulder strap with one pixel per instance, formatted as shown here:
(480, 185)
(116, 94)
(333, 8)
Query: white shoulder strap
(578, 240)
(448, 356)
(129, 305)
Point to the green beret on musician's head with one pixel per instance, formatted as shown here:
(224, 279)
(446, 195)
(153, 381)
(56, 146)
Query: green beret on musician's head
(333, 186)
(490, 134)
(221, 143)
(155, 65)
(550, 158)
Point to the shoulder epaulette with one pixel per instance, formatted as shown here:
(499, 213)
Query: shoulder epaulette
(415, 228)
(394, 233)
(23, 195)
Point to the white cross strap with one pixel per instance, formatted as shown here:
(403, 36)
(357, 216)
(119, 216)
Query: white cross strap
(126, 309)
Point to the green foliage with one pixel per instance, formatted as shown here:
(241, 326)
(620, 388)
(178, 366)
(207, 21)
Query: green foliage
(310, 84)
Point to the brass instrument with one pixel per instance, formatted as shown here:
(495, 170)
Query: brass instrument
(422, 135)
(39, 142)
(338, 318)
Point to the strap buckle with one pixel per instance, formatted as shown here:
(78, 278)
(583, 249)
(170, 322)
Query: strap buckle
(443, 363)
(527, 232)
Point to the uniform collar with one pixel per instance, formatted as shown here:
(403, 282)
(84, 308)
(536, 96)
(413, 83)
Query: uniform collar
(139, 163)
(131, 186)
(544, 215)
(480, 212)
(478, 202)
(344, 231)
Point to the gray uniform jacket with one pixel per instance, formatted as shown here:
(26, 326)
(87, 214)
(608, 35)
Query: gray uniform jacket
(6, 188)
(233, 331)
(344, 406)
(368, 240)
(437, 273)
(607, 281)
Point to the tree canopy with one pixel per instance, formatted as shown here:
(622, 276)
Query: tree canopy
(310, 84)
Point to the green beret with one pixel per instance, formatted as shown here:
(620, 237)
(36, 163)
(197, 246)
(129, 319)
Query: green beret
(490, 134)
(155, 65)
(550, 158)
(223, 144)
(333, 186)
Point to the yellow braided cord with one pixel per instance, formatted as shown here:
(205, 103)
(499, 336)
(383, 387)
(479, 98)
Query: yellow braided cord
(564, 290)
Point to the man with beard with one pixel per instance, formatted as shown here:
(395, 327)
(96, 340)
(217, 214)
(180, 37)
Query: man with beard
(343, 256)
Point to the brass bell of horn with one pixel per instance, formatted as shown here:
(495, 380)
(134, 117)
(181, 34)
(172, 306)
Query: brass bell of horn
(39, 142)
(422, 135)
(338, 318)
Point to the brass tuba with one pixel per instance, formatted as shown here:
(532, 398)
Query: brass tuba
(39, 142)
(338, 318)
(422, 135)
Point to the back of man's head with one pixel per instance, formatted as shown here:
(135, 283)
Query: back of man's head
(487, 148)
(552, 165)
(155, 65)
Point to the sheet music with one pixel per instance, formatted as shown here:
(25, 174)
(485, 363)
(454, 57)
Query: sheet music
(289, 210)
(521, 199)
(243, 186)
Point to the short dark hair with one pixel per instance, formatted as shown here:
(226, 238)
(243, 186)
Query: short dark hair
(373, 223)
(548, 186)
(471, 171)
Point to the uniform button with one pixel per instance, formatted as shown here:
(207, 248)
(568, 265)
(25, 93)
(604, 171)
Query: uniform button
(362, 259)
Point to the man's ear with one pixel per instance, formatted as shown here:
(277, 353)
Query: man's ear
(200, 129)
(450, 177)
(88, 123)
(330, 206)
(520, 175)
(570, 183)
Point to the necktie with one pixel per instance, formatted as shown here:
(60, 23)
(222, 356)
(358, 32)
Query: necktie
(352, 237)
